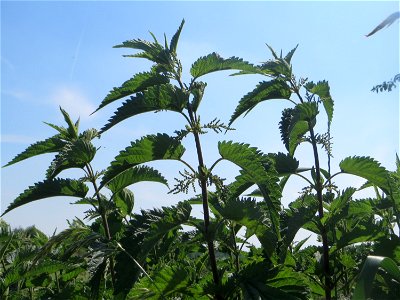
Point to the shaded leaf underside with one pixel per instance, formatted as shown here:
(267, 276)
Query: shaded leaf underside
(49, 145)
(149, 148)
(49, 188)
(266, 90)
(156, 98)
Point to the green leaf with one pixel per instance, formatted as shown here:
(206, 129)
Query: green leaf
(214, 62)
(71, 274)
(243, 211)
(166, 283)
(257, 281)
(97, 282)
(46, 267)
(135, 175)
(285, 164)
(273, 52)
(124, 200)
(152, 51)
(197, 90)
(289, 56)
(74, 155)
(358, 229)
(4, 246)
(367, 168)
(296, 135)
(171, 218)
(278, 66)
(250, 159)
(339, 208)
(266, 90)
(322, 89)
(300, 212)
(155, 98)
(149, 148)
(72, 128)
(304, 115)
(254, 163)
(49, 188)
(138, 83)
(50, 145)
(175, 39)
(284, 125)
(368, 272)
(240, 185)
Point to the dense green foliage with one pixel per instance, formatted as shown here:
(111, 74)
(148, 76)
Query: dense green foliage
(127, 254)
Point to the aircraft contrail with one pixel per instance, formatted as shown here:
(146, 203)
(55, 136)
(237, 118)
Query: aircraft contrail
(77, 49)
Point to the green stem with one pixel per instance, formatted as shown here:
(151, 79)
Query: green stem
(103, 216)
(236, 253)
(204, 193)
(305, 178)
(324, 235)
(319, 188)
(215, 163)
(187, 165)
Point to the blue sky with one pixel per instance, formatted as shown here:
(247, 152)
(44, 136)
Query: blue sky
(60, 53)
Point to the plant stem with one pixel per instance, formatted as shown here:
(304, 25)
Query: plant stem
(103, 216)
(324, 236)
(204, 193)
(319, 187)
(236, 253)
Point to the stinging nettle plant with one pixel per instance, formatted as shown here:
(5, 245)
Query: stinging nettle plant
(147, 255)
(338, 221)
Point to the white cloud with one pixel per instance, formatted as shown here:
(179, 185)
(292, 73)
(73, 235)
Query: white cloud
(74, 101)
(16, 94)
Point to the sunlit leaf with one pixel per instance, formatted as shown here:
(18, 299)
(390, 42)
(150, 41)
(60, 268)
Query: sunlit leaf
(214, 62)
(137, 83)
(289, 56)
(151, 50)
(174, 41)
(322, 89)
(72, 127)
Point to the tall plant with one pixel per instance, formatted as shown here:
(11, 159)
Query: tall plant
(159, 89)
(333, 209)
